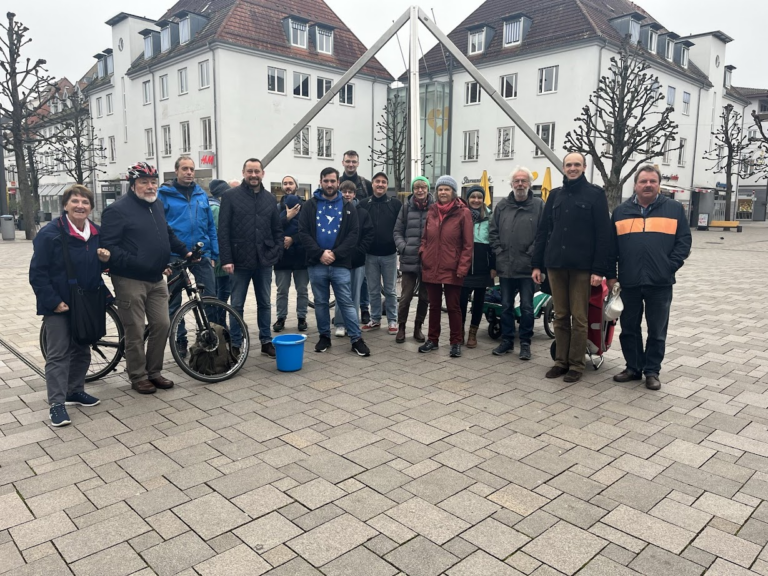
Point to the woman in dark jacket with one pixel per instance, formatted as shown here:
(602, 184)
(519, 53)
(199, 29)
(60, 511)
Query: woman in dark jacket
(483, 269)
(446, 257)
(408, 231)
(66, 362)
(292, 263)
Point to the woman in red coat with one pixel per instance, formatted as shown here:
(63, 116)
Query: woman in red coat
(446, 255)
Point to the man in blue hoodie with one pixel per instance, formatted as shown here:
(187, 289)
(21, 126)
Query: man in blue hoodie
(189, 215)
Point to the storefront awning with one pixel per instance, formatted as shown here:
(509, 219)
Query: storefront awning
(54, 189)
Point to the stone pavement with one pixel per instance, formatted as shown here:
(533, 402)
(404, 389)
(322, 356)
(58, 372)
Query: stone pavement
(404, 463)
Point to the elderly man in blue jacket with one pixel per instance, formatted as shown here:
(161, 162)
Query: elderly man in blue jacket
(189, 215)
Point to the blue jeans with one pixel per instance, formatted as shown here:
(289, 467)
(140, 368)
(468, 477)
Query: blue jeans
(509, 288)
(356, 282)
(382, 270)
(283, 283)
(322, 277)
(262, 287)
(223, 291)
(657, 301)
(203, 273)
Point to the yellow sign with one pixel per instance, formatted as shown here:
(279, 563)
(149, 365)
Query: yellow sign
(546, 186)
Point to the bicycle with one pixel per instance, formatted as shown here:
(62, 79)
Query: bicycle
(107, 353)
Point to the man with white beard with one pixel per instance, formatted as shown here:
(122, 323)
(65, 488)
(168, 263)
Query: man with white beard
(512, 232)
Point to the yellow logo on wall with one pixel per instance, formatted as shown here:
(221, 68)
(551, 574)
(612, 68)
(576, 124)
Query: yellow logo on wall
(438, 120)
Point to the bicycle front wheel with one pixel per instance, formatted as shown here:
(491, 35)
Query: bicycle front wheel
(203, 338)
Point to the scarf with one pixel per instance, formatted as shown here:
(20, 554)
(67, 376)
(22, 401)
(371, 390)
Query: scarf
(475, 214)
(421, 204)
(443, 209)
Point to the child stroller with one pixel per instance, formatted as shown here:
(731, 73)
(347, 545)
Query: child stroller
(600, 328)
(542, 307)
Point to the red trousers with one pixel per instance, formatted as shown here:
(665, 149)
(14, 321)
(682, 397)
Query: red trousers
(453, 303)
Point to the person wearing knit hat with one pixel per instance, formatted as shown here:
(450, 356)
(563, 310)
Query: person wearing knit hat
(223, 281)
(446, 258)
(408, 231)
(218, 187)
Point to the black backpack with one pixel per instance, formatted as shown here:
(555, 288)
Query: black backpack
(217, 361)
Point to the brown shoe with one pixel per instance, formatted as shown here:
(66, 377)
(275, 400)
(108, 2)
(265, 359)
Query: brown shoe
(472, 340)
(627, 376)
(652, 382)
(555, 372)
(572, 376)
(400, 337)
(144, 387)
(418, 335)
(162, 383)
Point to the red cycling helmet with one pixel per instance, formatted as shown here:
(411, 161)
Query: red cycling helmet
(141, 170)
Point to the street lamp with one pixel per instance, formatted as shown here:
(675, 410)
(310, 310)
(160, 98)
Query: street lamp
(3, 184)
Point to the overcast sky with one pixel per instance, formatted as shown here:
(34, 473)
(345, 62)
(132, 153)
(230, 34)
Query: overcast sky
(68, 34)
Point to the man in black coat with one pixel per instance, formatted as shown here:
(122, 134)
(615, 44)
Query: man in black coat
(573, 244)
(651, 240)
(250, 243)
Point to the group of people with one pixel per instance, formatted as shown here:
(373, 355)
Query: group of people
(349, 236)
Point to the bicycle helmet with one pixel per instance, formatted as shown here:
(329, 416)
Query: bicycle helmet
(141, 170)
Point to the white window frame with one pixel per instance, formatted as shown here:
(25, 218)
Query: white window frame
(148, 47)
(167, 140)
(110, 104)
(671, 94)
(98, 108)
(276, 74)
(149, 139)
(763, 107)
(476, 42)
(503, 86)
(321, 89)
(471, 146)
(100, 67)
(110, 64)
(684, 57)
(543, 75)
(301, 143)
(681, 152)
(165, 39)
(204, 74)
(102, 150)
(302, 79)
(513, 32)
(472, 90)
(185, 31)
(653, 41)
(146, 92)
(112, 149)
(183, 81)
(321, 151)
(206, 131)
(324, 46)
(667, 158)
(550, 141)
(186, 138)
(164, 87)
(501, 153)
(299, 34)
(669, 49)
(686, 103)
(727, 78)
(752, 134)
(347, 95)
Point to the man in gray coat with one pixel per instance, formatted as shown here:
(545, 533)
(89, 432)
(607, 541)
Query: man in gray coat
(512, 232)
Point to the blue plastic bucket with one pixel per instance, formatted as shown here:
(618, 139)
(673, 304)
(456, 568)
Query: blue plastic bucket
(289, 350)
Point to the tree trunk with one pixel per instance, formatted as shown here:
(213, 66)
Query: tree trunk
(613, 193)
(27, 202)
(728, 193)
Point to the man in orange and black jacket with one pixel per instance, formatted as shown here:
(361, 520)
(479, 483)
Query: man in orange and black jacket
(651, 240)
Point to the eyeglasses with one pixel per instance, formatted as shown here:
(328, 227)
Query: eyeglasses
(520, 181)
(420, 188)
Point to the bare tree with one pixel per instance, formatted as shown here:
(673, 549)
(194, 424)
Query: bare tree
(761, 143)
(25, 88)
(731, 154)
(625, 124)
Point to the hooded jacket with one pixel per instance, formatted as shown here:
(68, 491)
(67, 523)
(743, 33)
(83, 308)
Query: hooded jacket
(446, 247)
(190, 219)
(512, 233)
(346, 238)
(408, 231)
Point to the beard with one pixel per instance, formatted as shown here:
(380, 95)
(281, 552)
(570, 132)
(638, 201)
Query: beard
(149, 199)
(520, 195)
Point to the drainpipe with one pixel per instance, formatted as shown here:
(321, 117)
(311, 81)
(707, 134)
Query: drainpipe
(599, 75)
(158, 155)
(695, 143)
(450, 115)
(373, 119)
(215, 111)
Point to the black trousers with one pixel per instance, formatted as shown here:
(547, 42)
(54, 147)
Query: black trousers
(655, 302)
(477, 305)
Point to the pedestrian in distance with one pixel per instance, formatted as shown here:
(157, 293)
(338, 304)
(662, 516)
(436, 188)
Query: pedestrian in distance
(573, 244)
(66, 362)
(446, 257)
(408, 232)
(512, 233)
(651, 241)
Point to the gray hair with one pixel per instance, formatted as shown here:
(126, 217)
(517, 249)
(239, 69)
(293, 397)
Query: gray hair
(521, 169)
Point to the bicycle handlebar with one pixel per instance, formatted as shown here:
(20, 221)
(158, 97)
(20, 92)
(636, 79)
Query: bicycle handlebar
(197, 253)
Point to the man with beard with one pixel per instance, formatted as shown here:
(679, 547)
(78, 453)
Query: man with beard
(512, 232)
(250, 243)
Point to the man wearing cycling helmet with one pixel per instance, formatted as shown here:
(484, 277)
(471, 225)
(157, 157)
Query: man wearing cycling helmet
(141, 242)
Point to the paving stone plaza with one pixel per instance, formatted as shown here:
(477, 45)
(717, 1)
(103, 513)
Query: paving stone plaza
(405, 463)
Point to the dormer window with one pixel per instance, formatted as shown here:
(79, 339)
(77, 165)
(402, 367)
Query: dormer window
(634, 31)
(148, 47)
(100, 68)
(684, 57)
(727, 79)
(165, 39)
(324, 41)
(298, 34)
(653, 41)
(669, 50)
(476, 41)
(513, 32)
(184, 30)
(110, 64)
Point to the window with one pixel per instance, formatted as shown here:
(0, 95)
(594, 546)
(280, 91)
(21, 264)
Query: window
(634, 31)
(686, 103)
(667, 153)
(301, 85)
(184, 31)
(164, 87)
(671, 92)
(720, 158)
(206, 127)
(684, 57)
(186, 142)
(653, 41)
(325, 41)
(167, 147)
(656, 88)
(547, 133)
(165, 39)
(607, 148)
(727, 81)
(512, 32)
(471, 144)
(505, 143)
(146, 92)
(301, 143)
(548, 79)
(148, 47)
(347, 95)
(472, 93)
(681, 152)
(100, 68)
(183, 85)
(110, 108)
(670, 49)
(323, 85)
(102, 149)
(324, 143)
(298, 34)
(509, 86)
(275, 80)
(476, 42)
(110, 64)
(150, 141)
(203, 73)
(752, 135)
(763, 107)
(98, 108)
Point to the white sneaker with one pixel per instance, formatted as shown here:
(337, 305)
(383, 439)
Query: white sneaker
(392, 328)
(341, 331)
